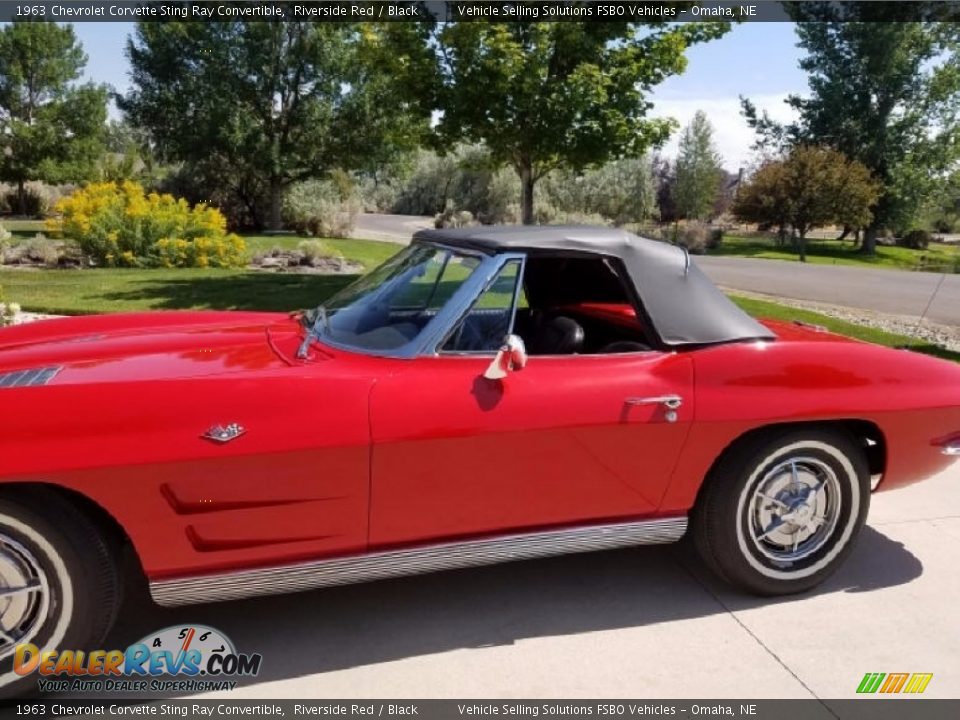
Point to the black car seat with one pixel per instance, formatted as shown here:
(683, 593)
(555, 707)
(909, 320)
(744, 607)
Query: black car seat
(557, 335)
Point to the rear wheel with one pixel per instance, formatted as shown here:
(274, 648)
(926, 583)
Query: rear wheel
(59, 581)
(779, 513)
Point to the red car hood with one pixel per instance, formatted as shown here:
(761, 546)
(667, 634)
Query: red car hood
(154, 345)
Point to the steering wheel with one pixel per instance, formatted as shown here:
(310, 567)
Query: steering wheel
(467, 336)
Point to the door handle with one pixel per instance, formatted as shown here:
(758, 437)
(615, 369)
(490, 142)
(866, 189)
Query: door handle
(671, 402)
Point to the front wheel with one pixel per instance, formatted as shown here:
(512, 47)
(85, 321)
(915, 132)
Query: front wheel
(59, 581)
(778, 514)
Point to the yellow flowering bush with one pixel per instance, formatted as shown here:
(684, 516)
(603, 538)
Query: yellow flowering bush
(118, 224)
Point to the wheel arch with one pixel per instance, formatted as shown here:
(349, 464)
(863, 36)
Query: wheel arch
(32, 493)
(866, 433)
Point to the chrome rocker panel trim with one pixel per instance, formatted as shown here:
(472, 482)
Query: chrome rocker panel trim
(413, 561)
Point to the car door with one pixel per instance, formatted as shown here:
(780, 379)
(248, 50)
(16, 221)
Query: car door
(569, 439)
(558, 442)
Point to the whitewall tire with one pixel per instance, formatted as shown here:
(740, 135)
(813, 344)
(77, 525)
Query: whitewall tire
(59, 580)
(779, 512)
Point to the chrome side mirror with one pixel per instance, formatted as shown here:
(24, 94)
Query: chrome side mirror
(512, 356)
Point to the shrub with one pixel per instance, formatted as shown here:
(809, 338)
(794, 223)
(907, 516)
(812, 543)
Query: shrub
(118, 224)
(715, 239)
(916, 239)
(314, 251)
(42, 250)
(377, 197)
(321, 208)
(622, 191)
(8, 311)
(619, 192)
(39, 198)
(4, 243)
(34, 204)
(201, 252)
(451, 217)
(544, 213)
(244, 201)
(428, 188)
(696, 237)
(467, 178)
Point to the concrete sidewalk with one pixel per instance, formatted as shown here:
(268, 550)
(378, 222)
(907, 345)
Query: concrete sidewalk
(626, 624)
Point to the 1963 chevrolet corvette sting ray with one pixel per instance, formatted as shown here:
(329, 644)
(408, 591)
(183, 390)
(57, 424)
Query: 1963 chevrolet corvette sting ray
(486, 395)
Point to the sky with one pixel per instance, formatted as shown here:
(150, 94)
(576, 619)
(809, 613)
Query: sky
(757, 60)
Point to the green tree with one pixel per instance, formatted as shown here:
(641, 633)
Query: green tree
(265, 105)
(882, 91)
(698, 170)
(542, 96)
(128, 156)
(622, 191)
(812, 187)
(764, 199)
(51, 128)
(941, 211)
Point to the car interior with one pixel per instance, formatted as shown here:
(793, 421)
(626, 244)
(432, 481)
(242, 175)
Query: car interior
(569, 305)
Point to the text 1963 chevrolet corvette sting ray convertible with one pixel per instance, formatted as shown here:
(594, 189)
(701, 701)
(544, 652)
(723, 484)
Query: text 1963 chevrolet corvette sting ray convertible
(486, 395)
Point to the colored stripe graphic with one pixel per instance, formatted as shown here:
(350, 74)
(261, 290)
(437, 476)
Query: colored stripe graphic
(892, 683)
(870, 682)
(918, 682)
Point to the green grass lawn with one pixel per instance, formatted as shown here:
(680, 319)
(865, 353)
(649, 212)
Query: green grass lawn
(77, 292)
(833, 252)
(368, 253)
(774, 311)
(71, 292)
(74, 292)
(23, 229)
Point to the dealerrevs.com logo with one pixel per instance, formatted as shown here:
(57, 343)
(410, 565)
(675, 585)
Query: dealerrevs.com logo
(193, 658)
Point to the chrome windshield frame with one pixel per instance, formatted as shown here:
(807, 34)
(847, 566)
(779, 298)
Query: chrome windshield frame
(503, 259)
(440, 325)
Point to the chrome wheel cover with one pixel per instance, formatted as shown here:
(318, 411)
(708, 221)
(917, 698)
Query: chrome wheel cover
(24, 596)
(794, 510)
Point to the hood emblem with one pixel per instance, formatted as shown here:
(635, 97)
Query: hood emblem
(224, 433)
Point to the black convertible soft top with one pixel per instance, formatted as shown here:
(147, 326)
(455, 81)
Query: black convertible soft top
(685, 307)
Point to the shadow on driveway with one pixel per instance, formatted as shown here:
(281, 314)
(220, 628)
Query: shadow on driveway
(346, 627)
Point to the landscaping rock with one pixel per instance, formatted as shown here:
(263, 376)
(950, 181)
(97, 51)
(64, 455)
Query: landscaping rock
(22, 318)
(281, 260)
(945, 336)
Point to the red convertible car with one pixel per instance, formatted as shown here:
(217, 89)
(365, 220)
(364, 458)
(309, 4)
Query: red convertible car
(486, 395)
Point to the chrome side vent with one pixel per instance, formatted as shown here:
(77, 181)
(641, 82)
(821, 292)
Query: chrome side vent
(33, 377)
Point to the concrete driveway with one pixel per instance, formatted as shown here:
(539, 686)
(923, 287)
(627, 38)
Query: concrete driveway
(393, 228)
(633, 623)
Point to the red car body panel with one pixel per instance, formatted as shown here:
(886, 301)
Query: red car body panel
(810, 375)
(346, 453)
(447, 458)
(122, 425)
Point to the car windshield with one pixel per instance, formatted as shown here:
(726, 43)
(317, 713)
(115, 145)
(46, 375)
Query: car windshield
(389, 307)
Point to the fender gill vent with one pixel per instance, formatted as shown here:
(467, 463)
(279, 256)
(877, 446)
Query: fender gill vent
(28, 378)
